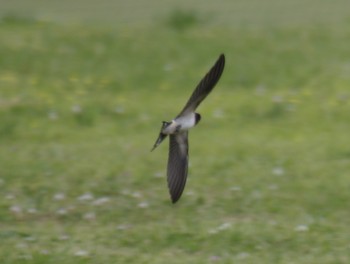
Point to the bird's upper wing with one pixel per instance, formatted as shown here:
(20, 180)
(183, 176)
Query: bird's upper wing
(205, 86)
(177, 164)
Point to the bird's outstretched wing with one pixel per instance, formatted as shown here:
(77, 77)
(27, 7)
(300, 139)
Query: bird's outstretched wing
(205, 86)
(177, 164)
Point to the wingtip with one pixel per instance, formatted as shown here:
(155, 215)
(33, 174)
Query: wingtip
(175, 196)
(222, 57)
(220, 62)
(174, 199)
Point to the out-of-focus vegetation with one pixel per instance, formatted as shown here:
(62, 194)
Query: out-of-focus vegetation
(83, 89)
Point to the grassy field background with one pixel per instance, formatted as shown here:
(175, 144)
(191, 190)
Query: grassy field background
(84, 86)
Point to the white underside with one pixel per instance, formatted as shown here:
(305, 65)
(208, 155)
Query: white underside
(185, 123)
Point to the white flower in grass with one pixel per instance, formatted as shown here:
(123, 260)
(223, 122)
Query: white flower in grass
(16, 209)
(257, 195)
(25, 256)
(273, 187)
(277, 99)
(123, 227)
(44, 252)
(278, 171)
(136, 194)
(168, 67)
(272, 222)
(218, 113)
(301, 228)
(63, 237)
(143, 205)
(21, 245)
(213, 231)
(62, 211)
(89, 216)
(215, 258)
(158, 174)
(86, 197)
(291, 107)
(243, 255)
(81, 253)
(235, 188)
(260, 90)
(32, 210)
(30, 238)
(222, 227)
(126, 192)
(10, 196)
(76, 109)
(101, 201)
(144, 117)
(59, 196)
(119, 110)
(190, 193)
(70, 207)
(52, 115)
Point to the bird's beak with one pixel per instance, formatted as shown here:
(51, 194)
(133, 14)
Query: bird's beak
(161, 137)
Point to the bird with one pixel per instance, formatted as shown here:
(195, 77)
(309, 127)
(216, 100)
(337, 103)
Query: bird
(178, 129)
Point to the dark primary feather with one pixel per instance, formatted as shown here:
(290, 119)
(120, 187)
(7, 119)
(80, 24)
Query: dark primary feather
(205, 86)
(177, 164)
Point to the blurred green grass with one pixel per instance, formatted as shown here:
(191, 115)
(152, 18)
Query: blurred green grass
(81, 105)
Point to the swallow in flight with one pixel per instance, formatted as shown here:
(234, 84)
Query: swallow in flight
(177, 129)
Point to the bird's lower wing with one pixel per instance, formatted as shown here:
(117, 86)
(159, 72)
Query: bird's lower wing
(177, 164)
